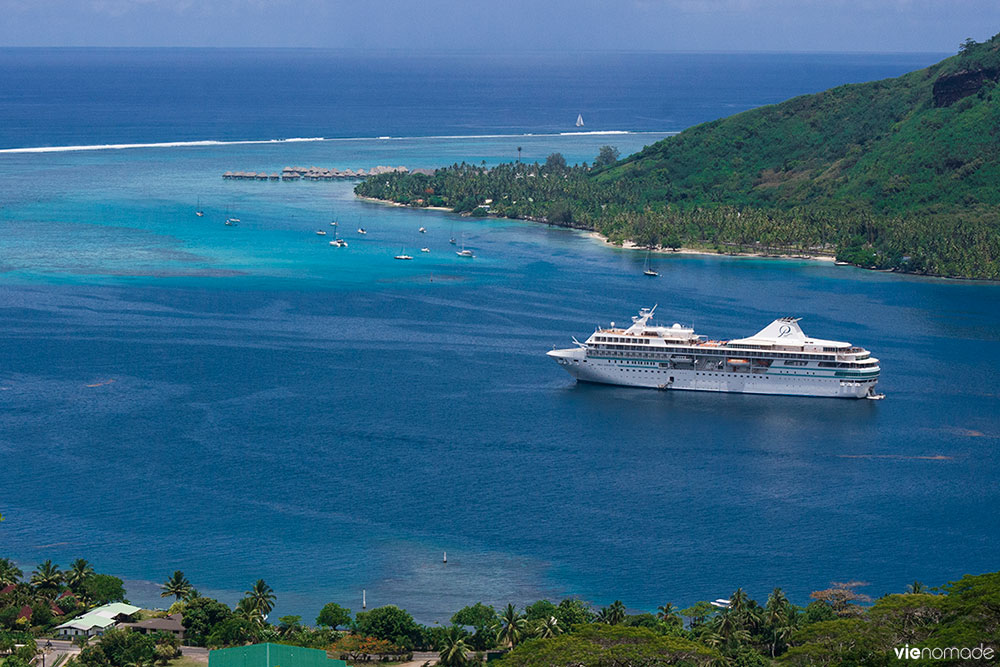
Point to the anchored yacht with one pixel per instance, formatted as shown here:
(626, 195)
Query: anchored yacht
(779, 359)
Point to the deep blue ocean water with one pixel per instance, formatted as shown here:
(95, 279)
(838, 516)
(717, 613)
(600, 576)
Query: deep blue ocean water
(249, 402)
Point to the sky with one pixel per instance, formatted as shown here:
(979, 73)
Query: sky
(503, 25)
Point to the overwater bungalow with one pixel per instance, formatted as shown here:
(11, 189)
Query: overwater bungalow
(315, 173)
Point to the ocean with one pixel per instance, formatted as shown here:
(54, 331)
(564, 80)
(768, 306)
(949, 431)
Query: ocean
(247, 402)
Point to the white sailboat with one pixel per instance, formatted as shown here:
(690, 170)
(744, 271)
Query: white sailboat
(648, 270)
(198, 211)
(579, 120)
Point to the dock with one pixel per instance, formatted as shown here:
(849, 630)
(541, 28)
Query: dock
(312, 174)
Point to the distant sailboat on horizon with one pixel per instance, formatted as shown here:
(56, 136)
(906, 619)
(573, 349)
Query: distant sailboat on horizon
(579, 120)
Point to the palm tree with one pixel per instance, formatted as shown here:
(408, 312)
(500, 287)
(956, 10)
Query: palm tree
(779, 617)
(744, 610)
(177, 585)
(548, 627)
(511, 627)
(247, 608)
(668, 614)
(263, 598)
(78, 573)
(453, 648)
(916, 587)
(47, 579)
(615, 613)
(9, 573)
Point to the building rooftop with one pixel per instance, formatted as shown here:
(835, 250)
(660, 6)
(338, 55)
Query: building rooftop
(101, 617)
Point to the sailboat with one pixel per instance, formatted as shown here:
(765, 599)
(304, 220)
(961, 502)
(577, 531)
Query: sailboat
(648, 270)
(402, 255)
(579, 120)
(337, 241)
(452, 239)
(198, 212)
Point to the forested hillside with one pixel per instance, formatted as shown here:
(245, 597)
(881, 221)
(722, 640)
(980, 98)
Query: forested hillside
(902, 173)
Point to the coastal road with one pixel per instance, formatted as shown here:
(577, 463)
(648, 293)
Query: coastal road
(60, 646)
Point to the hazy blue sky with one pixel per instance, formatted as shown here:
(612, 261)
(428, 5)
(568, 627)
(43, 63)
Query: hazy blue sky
(443, 25)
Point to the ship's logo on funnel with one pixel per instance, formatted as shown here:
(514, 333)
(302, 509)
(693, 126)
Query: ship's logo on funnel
(784, 331)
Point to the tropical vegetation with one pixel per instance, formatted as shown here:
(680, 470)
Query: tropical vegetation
(895, 174)
(840, 625)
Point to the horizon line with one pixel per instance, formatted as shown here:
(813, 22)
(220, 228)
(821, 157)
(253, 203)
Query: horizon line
(409, 52)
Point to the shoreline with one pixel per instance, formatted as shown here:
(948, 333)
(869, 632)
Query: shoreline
(629, 245)
(389, 202)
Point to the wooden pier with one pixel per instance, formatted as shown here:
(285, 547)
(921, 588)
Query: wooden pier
(311, 174)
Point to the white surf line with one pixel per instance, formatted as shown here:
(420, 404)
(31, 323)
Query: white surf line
(212, 142)
(167, 144)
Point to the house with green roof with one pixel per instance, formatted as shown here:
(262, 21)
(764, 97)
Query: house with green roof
(97, 621)
(271, 655)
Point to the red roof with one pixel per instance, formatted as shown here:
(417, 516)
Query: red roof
(8, 589)
(25, 612)
(55, 609)
(66, 594)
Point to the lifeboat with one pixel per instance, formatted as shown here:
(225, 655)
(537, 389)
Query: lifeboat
(737, 362)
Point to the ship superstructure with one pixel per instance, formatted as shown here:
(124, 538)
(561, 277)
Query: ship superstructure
(779, 359)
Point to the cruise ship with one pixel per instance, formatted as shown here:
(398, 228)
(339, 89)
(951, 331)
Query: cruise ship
(779, 359)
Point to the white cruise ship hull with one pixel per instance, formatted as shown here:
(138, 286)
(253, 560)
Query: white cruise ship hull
(786, 382)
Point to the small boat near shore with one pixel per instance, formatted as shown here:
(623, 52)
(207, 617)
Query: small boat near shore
(402, 257)
(648, 270)
(465, 253)
(320, 232)
(425, 250)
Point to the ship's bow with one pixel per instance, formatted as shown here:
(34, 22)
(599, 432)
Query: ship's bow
(569, 358)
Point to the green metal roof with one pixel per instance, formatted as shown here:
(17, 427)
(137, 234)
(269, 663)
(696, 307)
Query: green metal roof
(101, 617)
(271, 655)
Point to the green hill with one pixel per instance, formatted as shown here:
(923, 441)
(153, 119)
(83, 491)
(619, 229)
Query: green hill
(926, 140)
(901, 173)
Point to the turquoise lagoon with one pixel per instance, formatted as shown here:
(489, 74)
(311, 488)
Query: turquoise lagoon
(249, 402)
